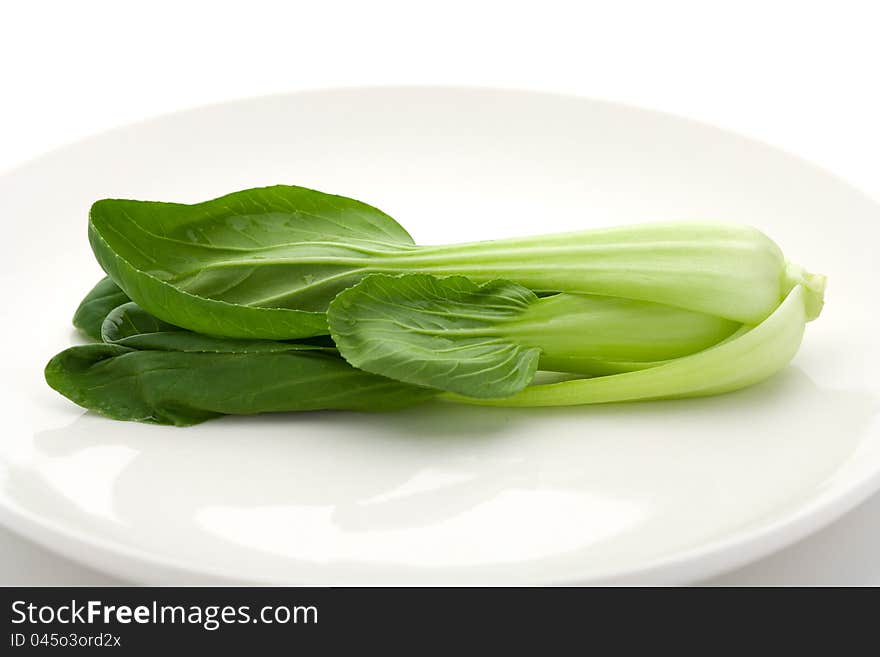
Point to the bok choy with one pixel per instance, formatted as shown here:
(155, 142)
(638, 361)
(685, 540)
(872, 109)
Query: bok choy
(285, 298)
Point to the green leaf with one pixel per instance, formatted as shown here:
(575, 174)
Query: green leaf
(486, 341)
(92, 310)
(752, 355)
(730, 271)
(591, 334)
(129, 325)
(168, 387)
(260, 263)
(435, 332)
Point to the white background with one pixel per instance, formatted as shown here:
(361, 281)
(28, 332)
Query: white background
(799, 75)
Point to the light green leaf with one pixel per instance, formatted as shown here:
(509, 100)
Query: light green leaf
(727, 270)
(485, 341)
(750, 356)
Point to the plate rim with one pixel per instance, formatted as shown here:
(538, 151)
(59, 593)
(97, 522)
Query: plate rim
(687, 567)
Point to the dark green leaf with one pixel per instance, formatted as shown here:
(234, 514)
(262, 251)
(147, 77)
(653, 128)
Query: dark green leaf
(260, 263)
(131, 326)
(179, 388)
(92, 310)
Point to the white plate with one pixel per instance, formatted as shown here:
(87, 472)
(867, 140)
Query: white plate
(649, 492)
